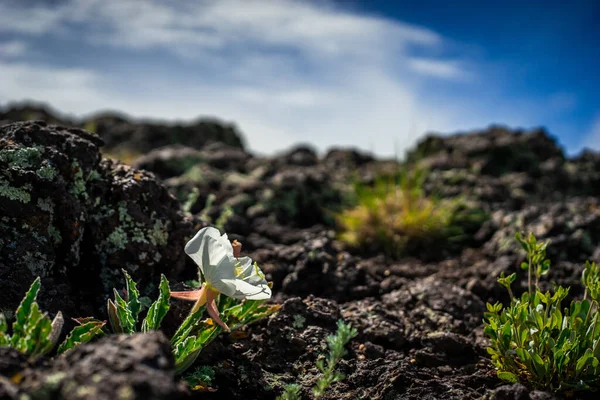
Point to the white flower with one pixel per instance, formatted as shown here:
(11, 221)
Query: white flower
(223, 271)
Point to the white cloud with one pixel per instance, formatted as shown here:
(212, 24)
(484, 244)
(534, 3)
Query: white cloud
(437, 68)
(14, 48)
(285, 71)
(68, 89)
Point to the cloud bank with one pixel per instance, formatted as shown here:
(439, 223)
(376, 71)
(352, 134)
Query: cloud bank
(286, 72)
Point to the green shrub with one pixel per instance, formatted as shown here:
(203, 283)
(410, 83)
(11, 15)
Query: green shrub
(395, 216)
(536, 342)
(35, 335)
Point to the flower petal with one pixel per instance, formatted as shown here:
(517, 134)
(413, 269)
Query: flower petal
(191, 295)
(245, 290)
(197, 250)
(224, 241)
(212, 309)
(249, 272)
(213, 259)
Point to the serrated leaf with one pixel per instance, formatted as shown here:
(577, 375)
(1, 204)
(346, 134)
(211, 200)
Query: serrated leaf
(132, 297)
(124, 314)
(187, 326)
(184, 348)
(159, 308)
(23, 314)
(82, 334)
(39, 330)
(111, 310)
(190, 348)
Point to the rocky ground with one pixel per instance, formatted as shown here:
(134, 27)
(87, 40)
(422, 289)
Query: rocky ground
(76, 218)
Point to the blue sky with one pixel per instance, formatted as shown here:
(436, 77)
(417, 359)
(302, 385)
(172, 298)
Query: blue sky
(371, 74)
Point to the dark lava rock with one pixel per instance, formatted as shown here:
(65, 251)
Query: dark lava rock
(138, 366)
(495, 151)
(135, 224)
(76, 221)
(349, 158)
(43, 203)
(121, 133)
(433, 305)
(223, 156)
(8, 390)
(310, 264)
(446, 348)
(518, 391)
(572, 226)
(169, 161)
(283, 349)
(512, 392)
(32, 112)
(11, 361)
(304, 156)
(301, 196)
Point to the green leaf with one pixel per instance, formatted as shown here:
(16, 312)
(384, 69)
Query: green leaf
(159, 308)
(292, 392)
(3, 325)
(38, 342)
(4, 338)
(583, 359)
(187, 326)
(508, 376)
(82, 334)
(124, 314)
(523, 243)
(23, 314)
(545, 267)
(190, 348)
(33, 328)
(132, 297)
(113, 317)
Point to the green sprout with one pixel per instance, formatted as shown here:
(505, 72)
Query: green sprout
(336, 344)
(35, 335)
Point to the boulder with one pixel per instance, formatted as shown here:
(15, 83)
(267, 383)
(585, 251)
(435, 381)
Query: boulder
(132, 367)
(75, 220)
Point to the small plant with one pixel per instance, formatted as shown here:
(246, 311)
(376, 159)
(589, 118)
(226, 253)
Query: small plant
(123, 314)
(225, 216)
(192, 198)
(200, 379)
(35, 335)
(396, 217)
(534, 341)
(223, 272)
(336, 344)
(292, 392)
